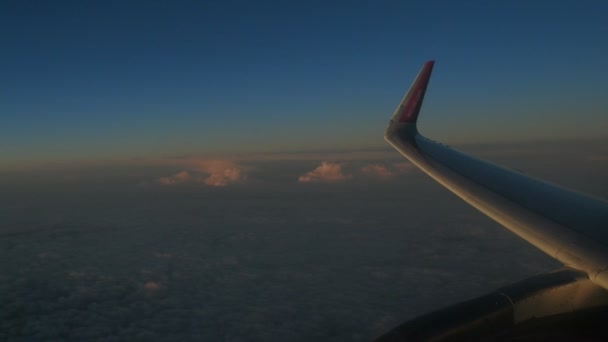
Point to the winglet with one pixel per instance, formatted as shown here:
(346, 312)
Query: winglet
(408, 109)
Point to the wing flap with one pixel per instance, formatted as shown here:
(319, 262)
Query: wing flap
(552, 298)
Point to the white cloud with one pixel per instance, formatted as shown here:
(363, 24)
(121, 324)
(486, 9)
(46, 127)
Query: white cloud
(327, 172)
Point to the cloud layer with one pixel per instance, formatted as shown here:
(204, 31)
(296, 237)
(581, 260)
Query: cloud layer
(249, 265)
(270, 261)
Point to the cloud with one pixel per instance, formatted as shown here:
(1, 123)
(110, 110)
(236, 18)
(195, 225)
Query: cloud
(208, 172)
(381, 171)
(220, 172)
(327, 172)
(180, 177)
(151, 287)
(377, 170)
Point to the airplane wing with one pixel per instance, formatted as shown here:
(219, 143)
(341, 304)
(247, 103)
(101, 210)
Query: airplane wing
(569, 226)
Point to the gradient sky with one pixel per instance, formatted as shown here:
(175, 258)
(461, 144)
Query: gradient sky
(217, 170)
(105, 79)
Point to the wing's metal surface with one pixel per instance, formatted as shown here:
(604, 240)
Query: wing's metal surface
(569, 226)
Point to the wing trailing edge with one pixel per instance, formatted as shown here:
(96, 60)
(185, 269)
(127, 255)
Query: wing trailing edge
(542, 308)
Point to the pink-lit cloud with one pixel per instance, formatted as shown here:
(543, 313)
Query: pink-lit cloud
(377, 171)
(180, 177)
(151, 287)
(208, 172)
(327, 172)
(220, 172)
(381, 171)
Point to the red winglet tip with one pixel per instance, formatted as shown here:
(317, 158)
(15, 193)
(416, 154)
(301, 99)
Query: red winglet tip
(412, 108)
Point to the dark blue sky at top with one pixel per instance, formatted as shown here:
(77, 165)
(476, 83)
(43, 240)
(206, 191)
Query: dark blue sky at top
(82, 79)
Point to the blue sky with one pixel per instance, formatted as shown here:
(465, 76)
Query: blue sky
(103, 79)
